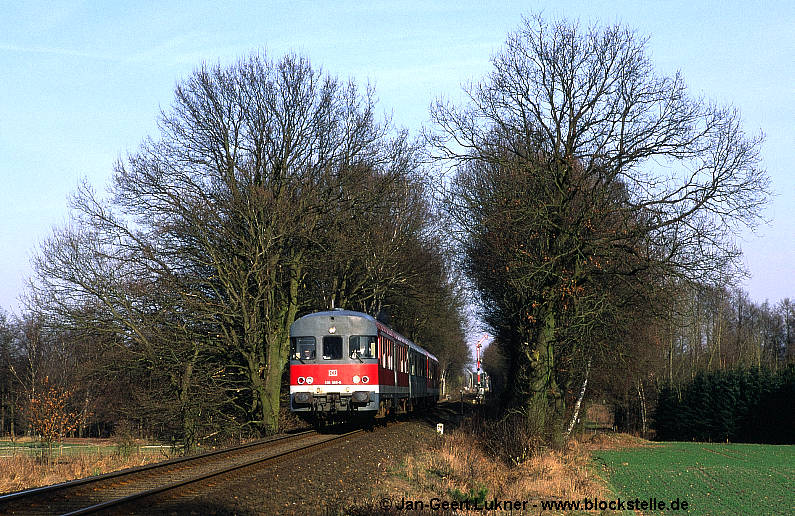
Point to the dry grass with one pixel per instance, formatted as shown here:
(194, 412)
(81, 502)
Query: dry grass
(458, 464)
(25, 471)
(612, 441)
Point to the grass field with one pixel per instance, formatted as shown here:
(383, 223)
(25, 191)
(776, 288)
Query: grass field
(714, 479)
(85, 447)
(22, 465)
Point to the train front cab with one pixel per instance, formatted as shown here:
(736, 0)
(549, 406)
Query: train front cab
(334, 365)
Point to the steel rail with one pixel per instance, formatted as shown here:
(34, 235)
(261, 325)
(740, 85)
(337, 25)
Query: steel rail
(177, 485)
(155, 468)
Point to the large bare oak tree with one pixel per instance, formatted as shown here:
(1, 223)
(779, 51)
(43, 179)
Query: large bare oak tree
(582, 181)
(199, 258)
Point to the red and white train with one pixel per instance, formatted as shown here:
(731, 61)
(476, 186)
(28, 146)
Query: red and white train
(345, 364)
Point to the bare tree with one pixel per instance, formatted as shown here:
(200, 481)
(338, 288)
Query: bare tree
(582, 179)
(379, 219)
(202, 252)
(787, 311)
(8, 383)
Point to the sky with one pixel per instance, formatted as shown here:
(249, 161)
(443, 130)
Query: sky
(82, 84)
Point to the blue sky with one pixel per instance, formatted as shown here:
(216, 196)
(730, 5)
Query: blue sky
(81, 84)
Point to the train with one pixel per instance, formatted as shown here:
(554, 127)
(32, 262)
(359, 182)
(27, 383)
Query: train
(347, 365)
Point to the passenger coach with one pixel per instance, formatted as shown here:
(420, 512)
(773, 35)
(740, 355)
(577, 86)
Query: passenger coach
(344, 364)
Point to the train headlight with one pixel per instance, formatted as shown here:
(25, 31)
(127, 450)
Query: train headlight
(310, 380)
(356, 379)
(365, 379)
(301, 380)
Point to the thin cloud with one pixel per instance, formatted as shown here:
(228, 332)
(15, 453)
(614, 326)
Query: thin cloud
(54, 51)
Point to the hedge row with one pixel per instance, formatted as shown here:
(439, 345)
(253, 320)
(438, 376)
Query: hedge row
(748, 405)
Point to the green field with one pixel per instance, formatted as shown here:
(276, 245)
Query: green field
(714, 479)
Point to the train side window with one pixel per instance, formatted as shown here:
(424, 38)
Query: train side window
(382, 350)
(363, 345)
(332, 347)
(302, 348)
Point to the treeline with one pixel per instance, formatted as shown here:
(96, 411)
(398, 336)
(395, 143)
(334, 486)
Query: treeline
(698, 336)
(700, 330)
(718, 328)
(724, 370)
(272, 190)
(740, 405)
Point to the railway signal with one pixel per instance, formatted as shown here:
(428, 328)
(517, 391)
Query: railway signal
(479, 344)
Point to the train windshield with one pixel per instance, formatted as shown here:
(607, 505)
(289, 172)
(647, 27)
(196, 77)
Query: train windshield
(332, 347)
(362, 346)
(303, 348)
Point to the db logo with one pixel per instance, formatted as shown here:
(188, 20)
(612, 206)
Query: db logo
(332, 372)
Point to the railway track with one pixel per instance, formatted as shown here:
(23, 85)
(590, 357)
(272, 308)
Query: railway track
(146, 486)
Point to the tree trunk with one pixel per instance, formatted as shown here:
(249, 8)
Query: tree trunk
(642, 398)
(278, 349)
(577, 405)
(544, 402)
(189, 430)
